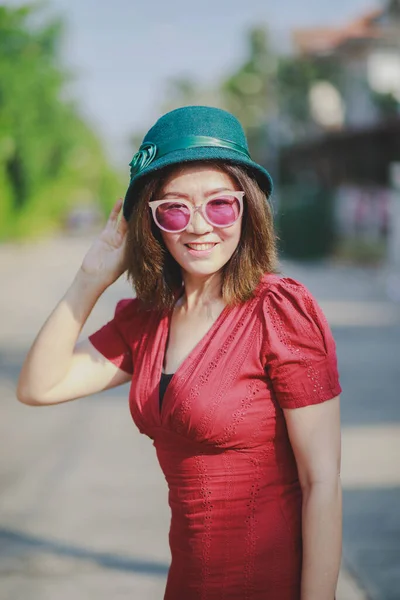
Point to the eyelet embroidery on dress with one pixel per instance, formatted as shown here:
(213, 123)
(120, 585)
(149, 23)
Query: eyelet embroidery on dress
(180, 417)
(205, 492)
(251, 537)
(258, 431)
(239, 414)
(312, 373)
(230, 376)
(227, 462)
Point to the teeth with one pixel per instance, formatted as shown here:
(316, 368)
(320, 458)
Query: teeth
(201, 246)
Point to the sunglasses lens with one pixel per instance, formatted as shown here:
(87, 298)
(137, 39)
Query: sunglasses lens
(223, 211)
(173, 216)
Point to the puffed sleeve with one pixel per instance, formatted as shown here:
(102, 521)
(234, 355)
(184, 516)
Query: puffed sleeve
(299, 350)
(116, 340)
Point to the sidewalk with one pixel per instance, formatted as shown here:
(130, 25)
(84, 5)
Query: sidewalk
(83, 508)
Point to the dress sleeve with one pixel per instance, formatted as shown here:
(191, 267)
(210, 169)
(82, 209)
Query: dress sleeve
(299, 351)
(116, 339)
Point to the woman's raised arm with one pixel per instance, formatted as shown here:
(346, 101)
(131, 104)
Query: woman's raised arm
(57, 369)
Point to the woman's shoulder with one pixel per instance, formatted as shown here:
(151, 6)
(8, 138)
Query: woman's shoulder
(127, 307)
(287, 300)
(275, 284)
(132, 309)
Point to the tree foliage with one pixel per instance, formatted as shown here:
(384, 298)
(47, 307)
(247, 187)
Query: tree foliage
(50, 160)
(249, 92)
(270, 91)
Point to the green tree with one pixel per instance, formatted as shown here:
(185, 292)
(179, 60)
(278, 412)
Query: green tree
(249, 92)
(295, 76)
(50, 160)
(269, 92)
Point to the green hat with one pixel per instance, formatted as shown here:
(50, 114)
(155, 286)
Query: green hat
(188, 134)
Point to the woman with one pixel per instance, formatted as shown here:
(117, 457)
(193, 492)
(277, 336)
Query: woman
(232, 368)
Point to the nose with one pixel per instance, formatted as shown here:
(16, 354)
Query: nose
(199, 225)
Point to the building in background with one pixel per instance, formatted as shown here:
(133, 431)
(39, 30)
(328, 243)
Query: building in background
(367, 51)
(346, 160)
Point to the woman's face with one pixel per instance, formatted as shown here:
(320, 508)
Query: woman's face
(201, 249)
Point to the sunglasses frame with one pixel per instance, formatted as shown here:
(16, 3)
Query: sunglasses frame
(154, 204)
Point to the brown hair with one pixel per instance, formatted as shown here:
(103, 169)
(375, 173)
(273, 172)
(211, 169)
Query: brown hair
(155, 274)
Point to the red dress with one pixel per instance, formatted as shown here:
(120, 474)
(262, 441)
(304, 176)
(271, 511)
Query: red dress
(221, 438)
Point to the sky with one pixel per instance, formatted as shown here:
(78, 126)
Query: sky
(123, 51)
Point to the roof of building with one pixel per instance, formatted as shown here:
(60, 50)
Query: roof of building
(325, 40)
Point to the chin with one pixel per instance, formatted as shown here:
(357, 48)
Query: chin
(201, 270)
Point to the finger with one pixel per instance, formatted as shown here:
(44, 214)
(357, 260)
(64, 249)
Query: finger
(122, 225)
(121, 236)
(113, 218)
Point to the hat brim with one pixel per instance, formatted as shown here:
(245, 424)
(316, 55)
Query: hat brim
(203, 154)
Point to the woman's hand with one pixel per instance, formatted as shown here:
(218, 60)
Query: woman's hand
(105, 260)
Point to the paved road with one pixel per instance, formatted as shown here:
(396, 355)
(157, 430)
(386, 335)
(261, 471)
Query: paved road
(83, 510)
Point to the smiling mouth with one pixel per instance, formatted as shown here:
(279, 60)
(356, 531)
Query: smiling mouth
(209, 246)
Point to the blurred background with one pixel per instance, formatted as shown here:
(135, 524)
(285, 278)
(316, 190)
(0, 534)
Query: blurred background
(83, 508)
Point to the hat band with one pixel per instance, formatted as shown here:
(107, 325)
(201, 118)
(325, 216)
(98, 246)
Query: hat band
(149, 151)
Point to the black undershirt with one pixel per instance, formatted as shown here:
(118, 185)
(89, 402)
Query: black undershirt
(164, 381)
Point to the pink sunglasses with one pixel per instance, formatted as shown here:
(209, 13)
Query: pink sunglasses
(176, 215)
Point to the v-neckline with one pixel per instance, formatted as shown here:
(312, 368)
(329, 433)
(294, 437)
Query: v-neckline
(195, 350)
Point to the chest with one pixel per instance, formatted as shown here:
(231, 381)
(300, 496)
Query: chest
(185, 334)
(219, 394)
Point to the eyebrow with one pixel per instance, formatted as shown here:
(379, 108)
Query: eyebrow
(177, 194)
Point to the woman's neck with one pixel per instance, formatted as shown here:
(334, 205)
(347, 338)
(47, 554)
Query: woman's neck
(201, 292)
